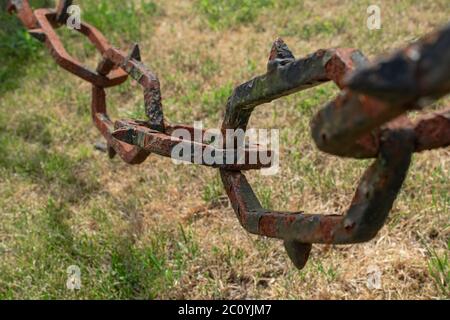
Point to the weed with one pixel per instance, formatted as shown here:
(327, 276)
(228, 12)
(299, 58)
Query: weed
(439, 268)
(213, 190)
(227, 13)
(213, 102)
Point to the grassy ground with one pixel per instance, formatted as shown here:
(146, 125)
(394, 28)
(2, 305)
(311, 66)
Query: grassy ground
(162, 231)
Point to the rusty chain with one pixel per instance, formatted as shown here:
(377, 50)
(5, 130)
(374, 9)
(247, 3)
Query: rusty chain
(366, 120)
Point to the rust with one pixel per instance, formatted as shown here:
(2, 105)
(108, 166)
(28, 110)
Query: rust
(129, 153)
(61, 11)
(138, 71)
(23, 11)
(366, 120)
(371, 131)
(268, 225)
(143, 135)
(326, 228)
(433, 131)
(45, 18)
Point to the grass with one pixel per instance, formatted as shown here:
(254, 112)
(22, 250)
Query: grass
(212, 102)
(163, 231)
(227, 13)
(123, 19)
(439, 268)
(19, 47)
(213, 191)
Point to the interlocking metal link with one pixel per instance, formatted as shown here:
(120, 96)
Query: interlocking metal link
(366, 120)
(409, 79)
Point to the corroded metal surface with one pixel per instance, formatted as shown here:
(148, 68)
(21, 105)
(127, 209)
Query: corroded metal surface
(45, 18)
(368, 128)
(61, 11)
(139, 134)
(407, 80)
(366, 120)
(129, 153)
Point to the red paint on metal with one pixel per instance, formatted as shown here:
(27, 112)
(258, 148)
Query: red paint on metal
(268, 226)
